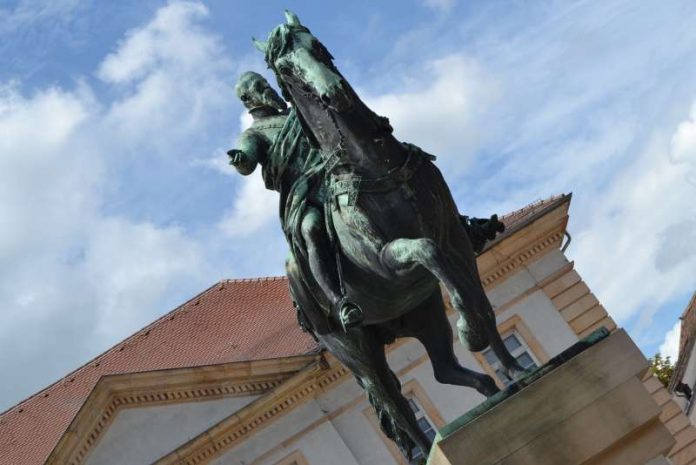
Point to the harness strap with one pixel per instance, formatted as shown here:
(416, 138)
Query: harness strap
(352, 184)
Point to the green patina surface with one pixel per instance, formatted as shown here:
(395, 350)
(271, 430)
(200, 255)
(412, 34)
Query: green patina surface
(516, 387)
(371, 225)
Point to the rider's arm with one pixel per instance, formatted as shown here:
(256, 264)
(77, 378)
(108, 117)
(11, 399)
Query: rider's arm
(249, 152)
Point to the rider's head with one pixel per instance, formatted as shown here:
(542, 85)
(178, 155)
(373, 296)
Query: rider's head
(255, 93)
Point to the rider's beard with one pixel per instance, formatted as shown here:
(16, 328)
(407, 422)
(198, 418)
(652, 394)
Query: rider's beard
(270, 98)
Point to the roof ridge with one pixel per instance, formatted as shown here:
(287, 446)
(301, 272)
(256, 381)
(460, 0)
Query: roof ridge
(533, 205)
(547, 205)
(20, 404)
(689, 306)
(253, 280)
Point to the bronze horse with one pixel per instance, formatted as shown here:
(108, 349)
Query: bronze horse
(398, 235)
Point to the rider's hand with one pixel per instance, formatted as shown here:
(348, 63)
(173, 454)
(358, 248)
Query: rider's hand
(237, 157)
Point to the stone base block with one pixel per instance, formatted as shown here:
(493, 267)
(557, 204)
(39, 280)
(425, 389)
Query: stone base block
(591, 410)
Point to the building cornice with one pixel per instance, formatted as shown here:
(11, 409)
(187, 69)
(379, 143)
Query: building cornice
(232, 430)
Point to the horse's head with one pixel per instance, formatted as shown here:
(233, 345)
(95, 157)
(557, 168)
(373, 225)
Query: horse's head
(304, 66)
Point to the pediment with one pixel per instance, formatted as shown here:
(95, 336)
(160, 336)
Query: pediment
(143, 401)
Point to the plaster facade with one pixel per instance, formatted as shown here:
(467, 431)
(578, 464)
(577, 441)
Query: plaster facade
(142, 435)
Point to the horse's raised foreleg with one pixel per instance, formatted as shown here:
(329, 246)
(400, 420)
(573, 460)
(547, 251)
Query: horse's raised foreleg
(402, 255)
(460, 252)
(477, 324)
(429, 324)
(361, 350)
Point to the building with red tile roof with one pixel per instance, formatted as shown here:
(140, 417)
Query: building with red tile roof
(229, 377)
(233, 320)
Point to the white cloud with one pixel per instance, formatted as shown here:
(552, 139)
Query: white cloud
(131, 266)
(172, 74)
(254, 208)
(76, 276)
(219, 163)
(670, 346)
(570, 97)
(588, 99)
(69, 271)
(245, 120)
(683, 145)
(439, 108)
(46, 177)
(170, 40)
(635, 250)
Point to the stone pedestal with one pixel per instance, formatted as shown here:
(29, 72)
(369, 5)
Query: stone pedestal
(592, 410)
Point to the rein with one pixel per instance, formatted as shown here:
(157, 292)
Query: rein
(353, 184)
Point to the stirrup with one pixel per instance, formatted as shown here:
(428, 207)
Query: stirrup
(349, 314)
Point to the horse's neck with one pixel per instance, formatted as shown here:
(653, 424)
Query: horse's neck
(370, 148)
(359, 138)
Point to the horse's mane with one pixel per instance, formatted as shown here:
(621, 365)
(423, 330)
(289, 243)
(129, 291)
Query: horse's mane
(279, 42)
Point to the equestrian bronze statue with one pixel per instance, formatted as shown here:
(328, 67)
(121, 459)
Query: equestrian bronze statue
(372, 227)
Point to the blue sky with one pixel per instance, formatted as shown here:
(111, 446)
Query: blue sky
(116, 203)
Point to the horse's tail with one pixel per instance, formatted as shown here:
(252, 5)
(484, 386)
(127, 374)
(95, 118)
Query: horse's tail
(386, 420)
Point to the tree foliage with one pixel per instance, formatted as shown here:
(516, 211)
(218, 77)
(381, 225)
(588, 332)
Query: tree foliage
(662, 367)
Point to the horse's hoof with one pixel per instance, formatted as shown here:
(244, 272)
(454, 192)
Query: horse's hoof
(350, 315)
(515, 373)
(488, 387)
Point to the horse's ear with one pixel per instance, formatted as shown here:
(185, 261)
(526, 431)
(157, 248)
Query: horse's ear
(260, 46)
(292, 18)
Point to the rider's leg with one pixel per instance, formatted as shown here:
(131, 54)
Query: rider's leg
(322, 263)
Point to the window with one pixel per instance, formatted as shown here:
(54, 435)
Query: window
(517, 347)
(425, 425)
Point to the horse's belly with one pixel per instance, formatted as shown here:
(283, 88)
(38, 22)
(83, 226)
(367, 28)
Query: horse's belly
(375, 219)
(383, 296)
(380, 310)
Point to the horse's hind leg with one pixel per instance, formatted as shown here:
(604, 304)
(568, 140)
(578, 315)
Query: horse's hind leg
(458, 272)
(429, 324)
(361, 350)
